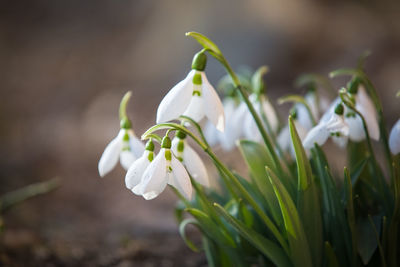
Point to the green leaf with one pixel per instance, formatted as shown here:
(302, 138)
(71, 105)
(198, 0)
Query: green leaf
(366, 239)
(330, 256)
(307, 198)
(351, 218)
(212, 229)
(299, 247)
(182, 232)
(334, 217)
(257, 157)
(271, 250)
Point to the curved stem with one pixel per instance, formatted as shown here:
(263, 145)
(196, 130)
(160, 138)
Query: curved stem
(123, 105)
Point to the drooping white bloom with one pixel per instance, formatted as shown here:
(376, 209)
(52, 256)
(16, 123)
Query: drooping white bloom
(233, 127)
(126, 147)
(164, 169)
(317, 106)
(136, 170)
(194, 97)
(366, 107)
(264, 109)
(334, 126)
(394, 139)
(190, 159)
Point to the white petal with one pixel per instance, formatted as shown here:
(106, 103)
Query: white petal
(195, 165)
(312, 103)
(319, 134)
(284, 138)
(179, 178)
(109, 158)
(336, 124)
(135, 173)
(394, 139)
(303, 116)
(211, 133)
(251, 131)
(341, 141)
(126, 159)
(212, 104)
(356, 129)
(195, 110)
(270, 113)
(154, 177)
(366, 107)
(327, 115)
(136, 145)
(177, 100)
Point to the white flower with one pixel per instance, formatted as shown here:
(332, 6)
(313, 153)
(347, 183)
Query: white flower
(135, 172)
(126, 146)
(194, 97)
(334, 126)
(263, 107)
(164, 169)
(394, 139)
(190, 159)
(233, 127)
(317, 105)
(364, 105)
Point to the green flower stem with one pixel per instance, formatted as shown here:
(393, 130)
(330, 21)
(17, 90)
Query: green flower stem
(378, 176)
(229, 175)
(197, 126)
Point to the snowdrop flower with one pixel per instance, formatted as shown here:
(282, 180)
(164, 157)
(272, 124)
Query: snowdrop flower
(194, 97)
(189, 158)
(334, 126)
(136, 170)
(284, 139)
(262, 107)
(316, 104)
(233, 127)
(394, 139)
(365, 106)
(164, 169)
(126, 147)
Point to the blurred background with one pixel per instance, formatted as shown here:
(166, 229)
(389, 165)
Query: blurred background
(64, 66)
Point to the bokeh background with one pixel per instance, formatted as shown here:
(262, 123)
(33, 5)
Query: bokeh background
(64, 66)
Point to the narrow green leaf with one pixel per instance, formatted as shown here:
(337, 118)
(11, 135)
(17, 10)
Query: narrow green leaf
(182, 232)
(299, 247)
(331, 260)
(266, 246)
(351, 218)
(308, 202)
(377, 237)
(334, 217)
(366, 239)
(257, 80)
(211, 229)
(257, 158)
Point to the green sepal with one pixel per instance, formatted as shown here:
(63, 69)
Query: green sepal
(125, 123)
(166, 142)
(199, 61)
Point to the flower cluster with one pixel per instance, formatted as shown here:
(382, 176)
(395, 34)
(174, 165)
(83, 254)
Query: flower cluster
(289, 211)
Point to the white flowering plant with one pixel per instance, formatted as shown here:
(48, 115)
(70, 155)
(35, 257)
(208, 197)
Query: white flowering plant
(293, 209)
